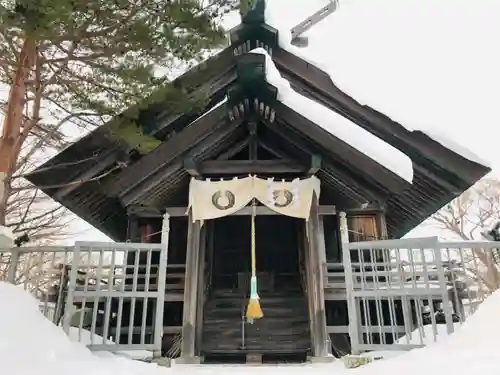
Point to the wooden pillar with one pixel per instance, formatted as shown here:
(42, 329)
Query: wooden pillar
(190, 293)
(354, 324)
(385, 254)
(200, 303)
(147, 233)
(382, 226)
(162, 275)
(134, 236)
(317, 264)
(165, 229)
(210, 243)
(309, 285)
(133, 230)
(322, 250)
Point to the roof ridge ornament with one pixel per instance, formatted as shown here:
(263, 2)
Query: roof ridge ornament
(301, 28)
(252, 11)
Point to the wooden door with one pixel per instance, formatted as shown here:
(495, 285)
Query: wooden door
(362, 228)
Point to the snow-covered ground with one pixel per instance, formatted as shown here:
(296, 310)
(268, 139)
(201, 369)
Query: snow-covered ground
(85, 337)
(31, 344)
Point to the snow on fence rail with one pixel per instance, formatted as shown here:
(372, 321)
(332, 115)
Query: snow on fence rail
(109, 295)
(395, 288)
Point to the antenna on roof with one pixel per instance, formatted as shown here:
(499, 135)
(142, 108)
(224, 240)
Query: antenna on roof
(301, 28)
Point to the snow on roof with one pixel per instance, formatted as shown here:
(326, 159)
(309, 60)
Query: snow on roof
(339, 126)
(427, 64)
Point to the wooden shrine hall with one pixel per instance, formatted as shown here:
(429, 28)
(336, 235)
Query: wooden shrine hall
(243, 133)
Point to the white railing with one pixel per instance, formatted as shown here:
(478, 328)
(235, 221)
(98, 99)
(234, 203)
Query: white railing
(402, 294)
(109, 296)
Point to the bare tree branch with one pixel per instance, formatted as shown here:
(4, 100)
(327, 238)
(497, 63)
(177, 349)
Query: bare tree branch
(466, 218)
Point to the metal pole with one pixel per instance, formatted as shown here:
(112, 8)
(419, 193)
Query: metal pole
(243, 319)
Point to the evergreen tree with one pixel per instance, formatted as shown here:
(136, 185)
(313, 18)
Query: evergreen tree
(82, 60)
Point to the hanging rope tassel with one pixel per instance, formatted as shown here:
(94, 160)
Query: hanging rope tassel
(253, 310)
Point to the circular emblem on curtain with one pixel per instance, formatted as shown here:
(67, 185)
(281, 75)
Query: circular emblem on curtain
(223, 199)
(282, 198)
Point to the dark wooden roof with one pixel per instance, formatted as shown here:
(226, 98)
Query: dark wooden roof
(159, 178)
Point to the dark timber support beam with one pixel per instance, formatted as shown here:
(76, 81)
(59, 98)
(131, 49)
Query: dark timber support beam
(133, 196)
(239, 167)
(266, 145)
(439, 180)
(253, 145)
(382, 225)
(144, 211)
(316, 160)
(133, 230)
(311, 302)
(240, 146)
(201, 287)
(316, 266)
(263, 210)
(188, 346)
(247, 211)
(99, 167)
(191, 167)
(134, 236)
(315, 164)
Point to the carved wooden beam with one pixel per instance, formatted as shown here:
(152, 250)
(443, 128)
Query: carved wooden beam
(240, 167)
(316, 162)
(247, 211)
(191, 167)
(144, 211)
(240, 146)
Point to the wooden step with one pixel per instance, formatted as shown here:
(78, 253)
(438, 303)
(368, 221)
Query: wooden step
(283, 329)
(289, 347)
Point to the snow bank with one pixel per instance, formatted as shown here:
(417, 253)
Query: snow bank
(31, 344)
(84, 337)
(337, 125)
(427, 64)
(472, 348)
